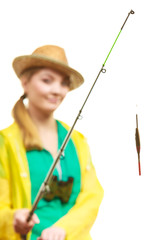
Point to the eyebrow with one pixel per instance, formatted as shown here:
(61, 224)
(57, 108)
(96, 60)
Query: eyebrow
(47, 74)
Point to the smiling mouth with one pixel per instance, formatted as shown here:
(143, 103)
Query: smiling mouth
(53, 100)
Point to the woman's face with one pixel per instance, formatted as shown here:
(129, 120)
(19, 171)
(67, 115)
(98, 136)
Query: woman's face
(46, 89)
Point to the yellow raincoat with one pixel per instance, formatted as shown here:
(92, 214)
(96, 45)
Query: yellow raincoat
(15, 187)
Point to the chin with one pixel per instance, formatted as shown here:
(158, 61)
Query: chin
(49, 108)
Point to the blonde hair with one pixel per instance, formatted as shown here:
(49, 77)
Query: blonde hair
(30, 135)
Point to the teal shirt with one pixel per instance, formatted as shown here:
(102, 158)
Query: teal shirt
(39, 164)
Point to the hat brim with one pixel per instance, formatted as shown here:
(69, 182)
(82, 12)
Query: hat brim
(22, 63)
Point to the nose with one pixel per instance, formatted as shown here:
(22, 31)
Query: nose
(56, 87)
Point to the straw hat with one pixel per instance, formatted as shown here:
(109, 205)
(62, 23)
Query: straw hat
(49, 56)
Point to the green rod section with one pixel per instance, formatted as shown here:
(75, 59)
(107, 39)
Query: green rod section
(112, 48)
(131, 12)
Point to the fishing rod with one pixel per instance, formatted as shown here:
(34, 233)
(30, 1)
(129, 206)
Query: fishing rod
(45, 185)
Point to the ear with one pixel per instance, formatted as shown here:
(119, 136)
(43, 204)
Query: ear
(24, 83)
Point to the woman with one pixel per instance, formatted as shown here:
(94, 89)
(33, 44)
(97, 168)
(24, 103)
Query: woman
(28, 148)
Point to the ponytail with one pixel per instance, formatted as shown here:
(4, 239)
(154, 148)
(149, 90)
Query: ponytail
(29, 131)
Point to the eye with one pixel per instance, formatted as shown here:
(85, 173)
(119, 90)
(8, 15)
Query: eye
(46, 80)
(66, 82)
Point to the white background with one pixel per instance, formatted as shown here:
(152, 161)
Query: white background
(86, 30)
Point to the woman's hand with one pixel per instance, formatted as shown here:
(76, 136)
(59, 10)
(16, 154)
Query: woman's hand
(53, 233)
(20, 223)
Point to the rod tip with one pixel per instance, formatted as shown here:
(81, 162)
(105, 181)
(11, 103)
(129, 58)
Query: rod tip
(132, 12)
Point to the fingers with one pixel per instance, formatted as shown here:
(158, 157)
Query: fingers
(51, 238)
(20, 221)
(35, 219)
(53, 233)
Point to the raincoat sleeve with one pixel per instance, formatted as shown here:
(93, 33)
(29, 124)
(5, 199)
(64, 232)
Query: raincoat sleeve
(6, 213)
(79, 220)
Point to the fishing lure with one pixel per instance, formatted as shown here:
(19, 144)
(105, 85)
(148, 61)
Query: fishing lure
(138, 145)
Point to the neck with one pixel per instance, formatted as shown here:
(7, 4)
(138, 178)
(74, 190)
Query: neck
(42, 119)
